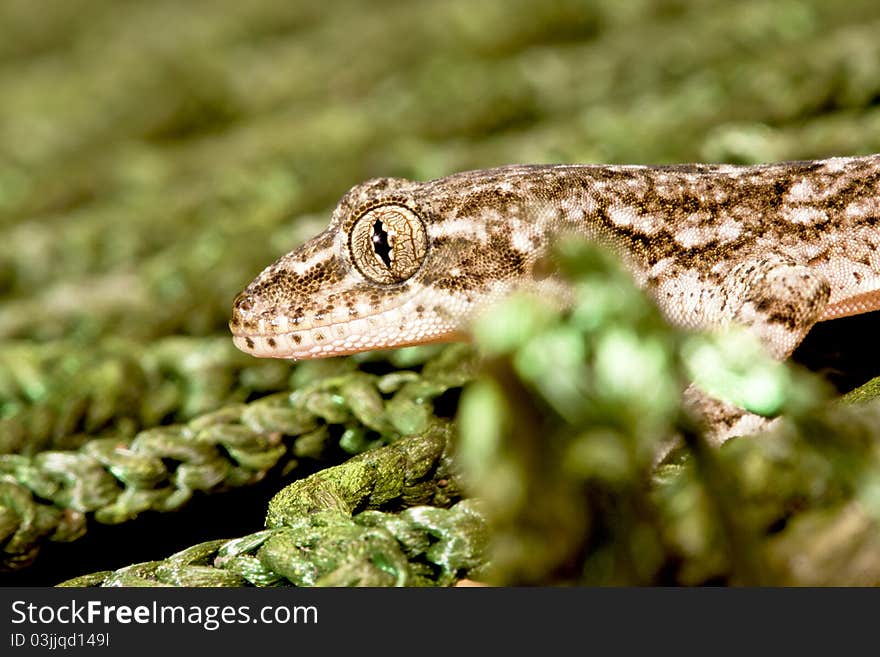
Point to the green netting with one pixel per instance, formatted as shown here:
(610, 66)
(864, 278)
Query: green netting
(314, 540)
(335, 410)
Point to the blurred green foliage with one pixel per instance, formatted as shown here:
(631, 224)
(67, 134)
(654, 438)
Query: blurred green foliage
(155, 156)
(562, 434)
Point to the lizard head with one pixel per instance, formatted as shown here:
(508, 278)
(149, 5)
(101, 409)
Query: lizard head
(401, 263)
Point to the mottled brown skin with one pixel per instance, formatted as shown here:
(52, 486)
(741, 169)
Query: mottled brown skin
(776, 247)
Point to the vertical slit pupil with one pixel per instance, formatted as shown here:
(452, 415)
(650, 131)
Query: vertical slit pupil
(380, 243)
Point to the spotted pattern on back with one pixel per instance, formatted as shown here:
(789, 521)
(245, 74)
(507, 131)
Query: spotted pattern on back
(688, 233)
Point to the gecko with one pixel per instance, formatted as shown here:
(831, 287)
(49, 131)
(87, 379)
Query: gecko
(774, 247)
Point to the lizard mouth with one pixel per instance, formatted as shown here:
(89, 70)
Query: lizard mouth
(339, 339)
(303, 345)
(396, 327)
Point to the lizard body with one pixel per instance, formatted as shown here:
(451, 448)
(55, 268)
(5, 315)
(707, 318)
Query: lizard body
(776, 247)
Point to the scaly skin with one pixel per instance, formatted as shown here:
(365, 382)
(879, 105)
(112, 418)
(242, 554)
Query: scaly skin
(775, 247)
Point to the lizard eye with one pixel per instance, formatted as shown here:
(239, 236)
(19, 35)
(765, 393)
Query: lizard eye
(388, 244)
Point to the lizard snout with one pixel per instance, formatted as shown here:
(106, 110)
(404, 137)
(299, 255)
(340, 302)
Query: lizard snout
(242, 314)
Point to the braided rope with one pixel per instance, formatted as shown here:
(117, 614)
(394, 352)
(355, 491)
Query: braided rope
(59, 395)
(49, 496)
(313, 539)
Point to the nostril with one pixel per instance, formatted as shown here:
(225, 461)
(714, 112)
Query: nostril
(241, 308)
(243, 303)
